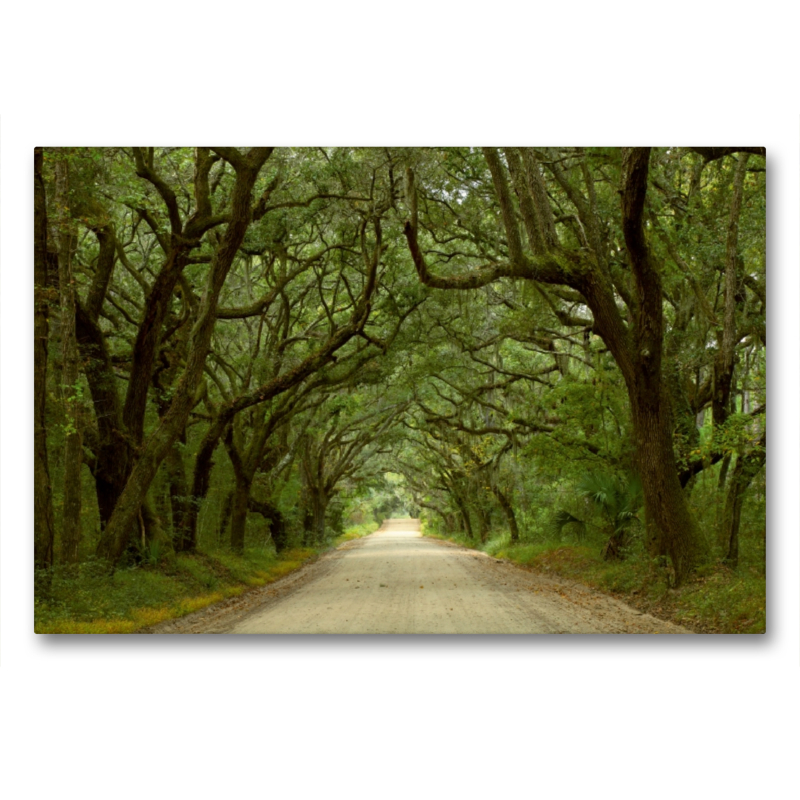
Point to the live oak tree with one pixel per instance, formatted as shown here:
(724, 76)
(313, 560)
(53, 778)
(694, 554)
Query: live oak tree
(569, 244)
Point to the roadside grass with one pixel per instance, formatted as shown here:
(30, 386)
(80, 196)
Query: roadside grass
(86, 598)
(716, 600)
(356, 532)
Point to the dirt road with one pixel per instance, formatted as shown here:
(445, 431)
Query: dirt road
(395, 581)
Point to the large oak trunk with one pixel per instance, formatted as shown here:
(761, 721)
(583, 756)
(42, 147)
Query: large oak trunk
(44, 524)
(70, 373)
(670, 527)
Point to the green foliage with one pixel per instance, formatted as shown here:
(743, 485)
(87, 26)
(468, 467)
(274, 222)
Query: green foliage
(442, 402)
(561, 519)
(87, 592)
(619, 501)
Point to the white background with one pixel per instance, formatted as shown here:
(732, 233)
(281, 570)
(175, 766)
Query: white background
(560, 717)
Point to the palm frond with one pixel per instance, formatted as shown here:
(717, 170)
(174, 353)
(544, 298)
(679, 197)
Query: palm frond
(563, 518)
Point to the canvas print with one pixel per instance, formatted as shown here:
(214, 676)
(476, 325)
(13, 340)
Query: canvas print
(400, 390)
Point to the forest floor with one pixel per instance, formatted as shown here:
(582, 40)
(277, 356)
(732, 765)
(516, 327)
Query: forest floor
(396, 581)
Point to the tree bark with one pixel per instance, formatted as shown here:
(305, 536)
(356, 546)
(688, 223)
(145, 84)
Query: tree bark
(224, 517)
(147, 341)
(671, 529)
(154, 533)
(239, 506)
(483, 523)
(44, 523)
(466, 522)
(508, 510)
(747, 467)
(201, 478)
(612, 551)
(463, 511)
(314, 521)
(178, 489)
(320, 507)
(723, 364)
(277, 524)
(670, 526)
(70, 375)
(113, 450)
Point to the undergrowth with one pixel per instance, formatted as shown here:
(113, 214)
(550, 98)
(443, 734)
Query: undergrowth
(715, 600)
(86, 598)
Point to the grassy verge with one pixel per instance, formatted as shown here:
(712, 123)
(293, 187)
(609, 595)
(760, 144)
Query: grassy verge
(85, 599)
(717, 600)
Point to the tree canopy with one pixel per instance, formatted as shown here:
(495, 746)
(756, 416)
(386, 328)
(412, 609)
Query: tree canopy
(242, 345)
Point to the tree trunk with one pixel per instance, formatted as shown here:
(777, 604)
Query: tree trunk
(241, 492)
(723, 472)
(163, 506)
(176, 472)
(239, 515)
(70, 375)
(148, 537)
(308, 524)
(113, 452)
(612, 551)
(319, 505)
(463, 511)
(747, 467)
(44, 523)
(446, 520)
(155, 533)
(277, 525)
(483, 523)
(467, 523)
(723, 364)
(224, 517)
(733, 515)
(508, 510)
(670, 528)
(201, 478)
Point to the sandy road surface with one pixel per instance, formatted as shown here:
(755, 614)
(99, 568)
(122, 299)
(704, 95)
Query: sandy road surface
(395, 581)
